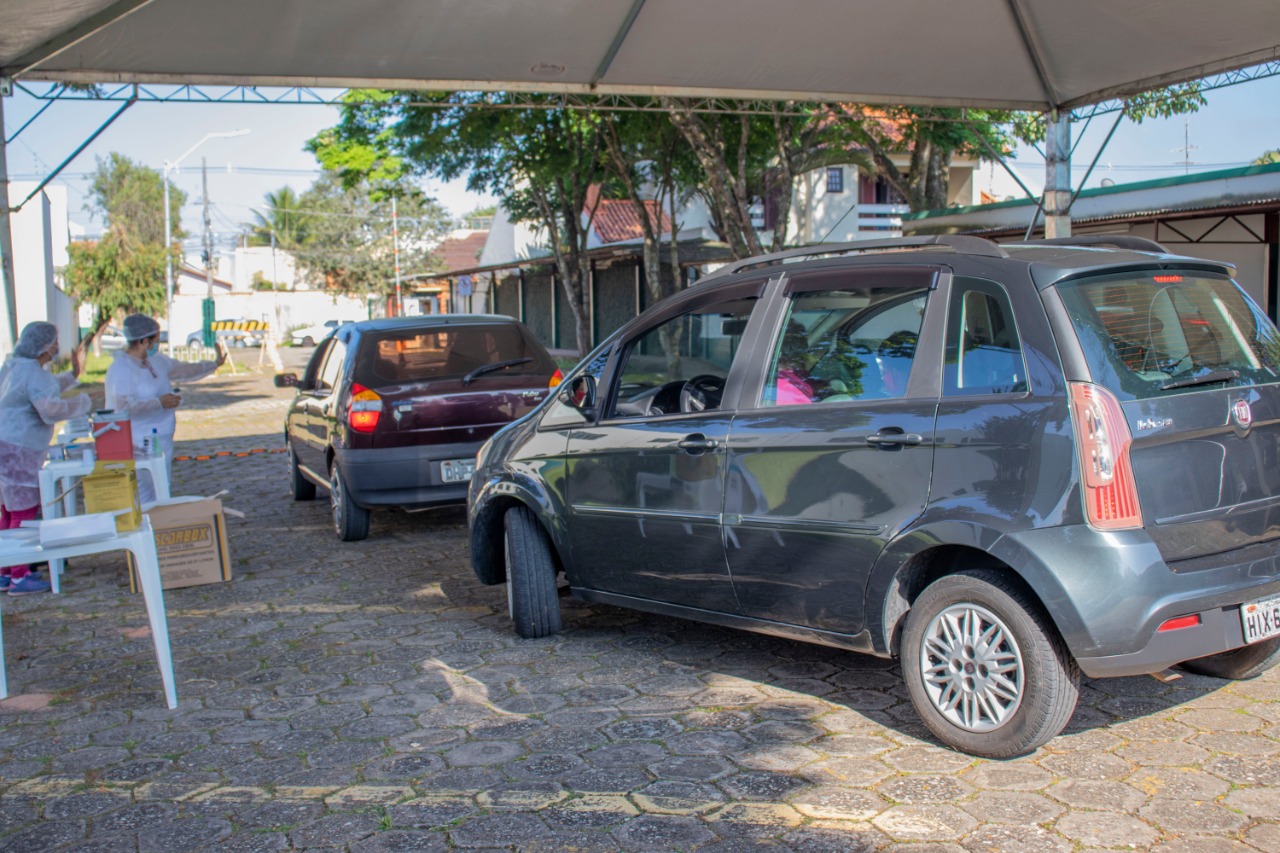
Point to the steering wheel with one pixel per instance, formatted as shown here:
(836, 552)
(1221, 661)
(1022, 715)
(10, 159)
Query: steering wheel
(702, 392)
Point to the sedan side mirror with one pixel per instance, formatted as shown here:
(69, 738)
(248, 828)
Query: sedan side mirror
(286, 380)
(580, 393)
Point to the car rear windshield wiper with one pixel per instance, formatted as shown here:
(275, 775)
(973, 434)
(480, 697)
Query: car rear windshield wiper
(1203, 379)
(489, 368)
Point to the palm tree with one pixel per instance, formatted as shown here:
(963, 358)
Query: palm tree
(284, 219)
(1269, 157)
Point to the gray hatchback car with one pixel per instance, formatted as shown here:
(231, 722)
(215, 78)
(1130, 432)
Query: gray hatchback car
(1004, 465)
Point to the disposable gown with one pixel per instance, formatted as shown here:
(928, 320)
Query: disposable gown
(134, 387)
(30, 404)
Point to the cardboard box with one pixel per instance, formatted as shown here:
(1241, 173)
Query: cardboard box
(191, 542)
(113, 487)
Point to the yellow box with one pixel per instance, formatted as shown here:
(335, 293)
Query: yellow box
(113, 487)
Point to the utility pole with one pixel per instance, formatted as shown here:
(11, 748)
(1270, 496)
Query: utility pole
(395, 247)
(208, 258)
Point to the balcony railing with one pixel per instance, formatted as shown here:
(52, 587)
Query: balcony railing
(882, 220)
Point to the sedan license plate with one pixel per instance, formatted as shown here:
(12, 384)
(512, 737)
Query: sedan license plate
(1260, 618)
(457, 470)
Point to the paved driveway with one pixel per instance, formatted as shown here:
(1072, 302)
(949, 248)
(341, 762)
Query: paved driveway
(371, 696)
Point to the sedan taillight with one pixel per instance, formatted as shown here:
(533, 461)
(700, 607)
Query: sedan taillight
(364, 410)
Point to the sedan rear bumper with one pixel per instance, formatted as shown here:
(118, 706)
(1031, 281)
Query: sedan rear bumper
(404, 476)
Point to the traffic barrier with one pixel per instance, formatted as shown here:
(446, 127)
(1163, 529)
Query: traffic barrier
(204, 457)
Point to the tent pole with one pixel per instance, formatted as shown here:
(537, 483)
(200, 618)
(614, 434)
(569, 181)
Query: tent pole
(9, 333)
(1057, 175)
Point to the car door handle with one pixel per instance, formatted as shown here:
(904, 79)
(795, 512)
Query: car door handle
(697, 443)
(891, 439)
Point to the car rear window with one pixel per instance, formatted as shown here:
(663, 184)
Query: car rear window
(1166, 333)
(449, 352)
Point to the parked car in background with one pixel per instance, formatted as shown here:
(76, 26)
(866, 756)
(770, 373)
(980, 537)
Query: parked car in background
(391, 412)
(309, 336)
(1002, 465)
(111, 338)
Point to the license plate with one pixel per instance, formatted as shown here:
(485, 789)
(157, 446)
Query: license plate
(457, 470)
(1260, 618)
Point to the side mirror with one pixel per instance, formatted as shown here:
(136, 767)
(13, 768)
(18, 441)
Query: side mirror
(286, 380)
(580, 393)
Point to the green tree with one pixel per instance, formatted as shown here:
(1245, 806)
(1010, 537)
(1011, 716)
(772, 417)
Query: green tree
(283, 217)
(131, 198)
(541, 163)
(117, 275)
(349, 246)
(1268, 157)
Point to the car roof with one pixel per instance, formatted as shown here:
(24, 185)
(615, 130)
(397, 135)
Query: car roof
(1047, 261)
(426, 321)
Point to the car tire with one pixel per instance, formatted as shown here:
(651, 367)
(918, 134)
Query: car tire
(300, 487)
(532, 597)
(350, 522)
(1238, 664)
(948, 667)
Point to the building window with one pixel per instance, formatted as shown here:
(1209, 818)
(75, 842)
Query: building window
(835, 179)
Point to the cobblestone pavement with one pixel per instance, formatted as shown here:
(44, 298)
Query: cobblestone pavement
(371, 696)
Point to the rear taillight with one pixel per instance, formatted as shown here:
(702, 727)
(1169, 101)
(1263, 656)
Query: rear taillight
(364, 410)
(1110, 493)
(556, 378)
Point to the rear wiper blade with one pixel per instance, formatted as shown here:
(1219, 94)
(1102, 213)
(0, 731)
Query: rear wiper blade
(489, 368)
(1203, 379)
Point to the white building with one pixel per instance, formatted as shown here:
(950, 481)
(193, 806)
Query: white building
(41, 232)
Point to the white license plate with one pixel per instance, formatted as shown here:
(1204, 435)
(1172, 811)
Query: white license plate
(457, 470)
(1260, 618)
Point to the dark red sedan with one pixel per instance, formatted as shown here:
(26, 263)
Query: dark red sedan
(391, 412)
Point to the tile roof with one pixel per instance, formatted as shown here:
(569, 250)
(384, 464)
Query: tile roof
(617, 220)
(460, 253)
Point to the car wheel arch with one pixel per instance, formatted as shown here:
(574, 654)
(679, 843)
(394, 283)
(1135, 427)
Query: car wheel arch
(487, 531)
(919, 557)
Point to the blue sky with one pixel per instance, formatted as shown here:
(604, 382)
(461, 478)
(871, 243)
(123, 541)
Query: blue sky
(1238, 124)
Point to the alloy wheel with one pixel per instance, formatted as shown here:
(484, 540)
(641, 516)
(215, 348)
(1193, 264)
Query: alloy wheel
(972, 666)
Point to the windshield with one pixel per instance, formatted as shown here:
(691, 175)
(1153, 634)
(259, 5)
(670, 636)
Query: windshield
(1165, 333)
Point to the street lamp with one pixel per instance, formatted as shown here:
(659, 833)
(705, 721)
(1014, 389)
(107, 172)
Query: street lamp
(169, 166)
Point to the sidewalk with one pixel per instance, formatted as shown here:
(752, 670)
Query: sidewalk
(371, 696)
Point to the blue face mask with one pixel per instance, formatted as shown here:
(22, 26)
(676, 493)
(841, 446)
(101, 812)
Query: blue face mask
(155, 348)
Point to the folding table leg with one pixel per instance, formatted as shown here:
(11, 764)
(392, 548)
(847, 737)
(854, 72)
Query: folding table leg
(143, 548)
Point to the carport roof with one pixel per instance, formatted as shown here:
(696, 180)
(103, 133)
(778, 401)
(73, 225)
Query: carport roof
(1026, 54)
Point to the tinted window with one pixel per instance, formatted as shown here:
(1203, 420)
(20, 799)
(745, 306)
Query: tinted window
(1166, 333)
(332, 366)
(848, 344)
(984, 355)
(697, 347)
(392, 357)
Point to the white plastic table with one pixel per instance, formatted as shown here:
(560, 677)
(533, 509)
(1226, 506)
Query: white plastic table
(56, 478)
(23, 546)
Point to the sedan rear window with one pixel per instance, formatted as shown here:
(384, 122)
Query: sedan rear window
(1164, 333)
(449, 352)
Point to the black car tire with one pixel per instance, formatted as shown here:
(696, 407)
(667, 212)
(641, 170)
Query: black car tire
(1238, 664)
(532, 597)
(300, 487)
(1046, 689)
(350, 522)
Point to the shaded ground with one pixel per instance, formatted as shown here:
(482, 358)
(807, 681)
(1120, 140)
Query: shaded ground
(371, 696)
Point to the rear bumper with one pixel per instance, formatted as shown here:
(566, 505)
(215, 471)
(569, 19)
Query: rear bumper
(1121, 591)
(403, 476)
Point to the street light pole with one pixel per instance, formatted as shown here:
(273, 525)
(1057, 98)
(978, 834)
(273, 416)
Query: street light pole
(169, 166)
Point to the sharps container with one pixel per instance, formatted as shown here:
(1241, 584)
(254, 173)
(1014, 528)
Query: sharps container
(112, 435)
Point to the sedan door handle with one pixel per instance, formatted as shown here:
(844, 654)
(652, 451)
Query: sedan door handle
(891, 439)
(697, 443)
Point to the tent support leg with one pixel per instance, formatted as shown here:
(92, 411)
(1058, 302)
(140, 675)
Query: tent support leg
(9, 333)
(1057, 176)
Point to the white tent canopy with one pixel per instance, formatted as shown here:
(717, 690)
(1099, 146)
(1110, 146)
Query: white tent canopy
(1025, 54)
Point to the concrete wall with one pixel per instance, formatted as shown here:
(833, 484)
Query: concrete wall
(40, 236)
(285, 311)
